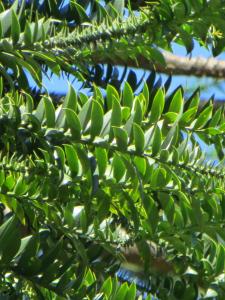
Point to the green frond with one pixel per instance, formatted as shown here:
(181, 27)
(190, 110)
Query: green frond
(28, 44)
(159, 185)
(116, 177)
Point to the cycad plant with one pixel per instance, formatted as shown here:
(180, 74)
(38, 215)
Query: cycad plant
(98, 183)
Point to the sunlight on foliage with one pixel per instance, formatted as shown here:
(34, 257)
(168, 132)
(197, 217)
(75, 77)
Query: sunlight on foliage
(86, 178)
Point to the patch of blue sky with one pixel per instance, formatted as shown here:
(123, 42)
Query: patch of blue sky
(209, 86)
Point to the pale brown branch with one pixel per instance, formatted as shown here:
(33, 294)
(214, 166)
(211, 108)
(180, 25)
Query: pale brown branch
(175, 65)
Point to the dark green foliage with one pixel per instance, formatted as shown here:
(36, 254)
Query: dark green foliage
(75, 174)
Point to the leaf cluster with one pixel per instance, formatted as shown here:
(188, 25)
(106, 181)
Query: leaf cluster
(85, 179)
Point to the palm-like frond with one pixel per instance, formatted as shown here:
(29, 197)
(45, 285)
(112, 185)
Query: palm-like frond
(91, 183)
(30, 40)
(133, 160)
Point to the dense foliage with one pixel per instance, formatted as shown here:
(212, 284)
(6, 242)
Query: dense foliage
(85, 178)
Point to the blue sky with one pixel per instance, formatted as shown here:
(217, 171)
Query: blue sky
(191, 81)
(60, 85)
